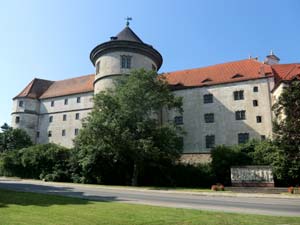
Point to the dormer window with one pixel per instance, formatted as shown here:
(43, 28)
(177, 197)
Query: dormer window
(206, 80)
(237, 76)
(125, 61)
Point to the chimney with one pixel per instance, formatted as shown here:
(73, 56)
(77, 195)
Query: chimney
(271, 59)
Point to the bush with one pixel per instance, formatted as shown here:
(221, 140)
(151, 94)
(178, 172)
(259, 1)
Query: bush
(178, 175)
(47, 162)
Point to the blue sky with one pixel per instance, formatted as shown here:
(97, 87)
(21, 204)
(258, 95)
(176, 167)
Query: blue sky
(52, 39)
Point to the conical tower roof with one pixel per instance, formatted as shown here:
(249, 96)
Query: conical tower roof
(126, 40)
(127, 35)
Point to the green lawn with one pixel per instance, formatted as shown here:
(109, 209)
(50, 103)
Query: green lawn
(30, 208)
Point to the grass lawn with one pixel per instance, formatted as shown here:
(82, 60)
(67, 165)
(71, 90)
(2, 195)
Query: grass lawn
(30, 208)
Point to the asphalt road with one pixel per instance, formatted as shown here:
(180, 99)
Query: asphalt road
(249, 205)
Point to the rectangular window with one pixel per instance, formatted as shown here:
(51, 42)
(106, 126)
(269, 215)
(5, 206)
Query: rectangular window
(52, 103)
(238, 95)
(49, 133)
(240, 115)
(255, 103)
(97, 67)
(64, 117)
(178, 120)
(209, 118)
(77, 116)
(76, 131)
(78, 100)
(66, 101)
(208, 98)
(125, 62)
(37, 134)
(258, 119)
(243, 138)
(63, 133)
(210, 141)
(255, 89)
(50, 119)
(17, 119)
(21, 103)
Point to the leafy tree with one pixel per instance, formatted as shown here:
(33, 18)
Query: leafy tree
(125, 128)
(287, 128)
(45, 161)
(11, 139)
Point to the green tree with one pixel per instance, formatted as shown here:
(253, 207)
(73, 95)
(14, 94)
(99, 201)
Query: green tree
(287, 128)
(11, 139)
(125, 127)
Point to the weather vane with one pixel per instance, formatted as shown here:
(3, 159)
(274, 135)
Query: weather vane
(127, 20)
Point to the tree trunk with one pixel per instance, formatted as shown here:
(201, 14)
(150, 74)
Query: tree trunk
(135, 174)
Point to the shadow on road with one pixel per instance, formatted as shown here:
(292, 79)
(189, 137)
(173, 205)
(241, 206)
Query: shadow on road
(19, 194)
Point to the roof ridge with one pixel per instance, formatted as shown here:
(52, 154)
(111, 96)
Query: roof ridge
(75, 77)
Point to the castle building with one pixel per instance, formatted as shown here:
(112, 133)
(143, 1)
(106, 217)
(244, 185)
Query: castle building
(227, 103)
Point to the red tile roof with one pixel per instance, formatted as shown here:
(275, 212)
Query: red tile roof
(220, 73)
(70, 86)
(230, 72)
(35, 88)
(285, 72)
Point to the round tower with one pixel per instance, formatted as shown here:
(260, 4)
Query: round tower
(25, 115)
(124, 52)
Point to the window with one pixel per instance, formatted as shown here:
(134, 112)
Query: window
(208, 98)
(240, 115)
(255, 103)
(50, 119)
(178, 120)
(238, 95)
(243, 138)
(64, 117)
(209, 118)
(52, 103)
(37, 134)
(17, 119)
(255, 89)
(258, 119)
(262, 137)
(66, 101)
(78, 100)
(63, 133)
(49, 133)
(210, 141)
(76, 131)
(21, 103)
(125, 62)
(77, 116)
(97, 67)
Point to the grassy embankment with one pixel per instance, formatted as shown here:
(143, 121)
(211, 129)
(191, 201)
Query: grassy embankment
(31, 208)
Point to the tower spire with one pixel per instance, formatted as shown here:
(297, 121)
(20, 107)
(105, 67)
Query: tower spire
(127, 20)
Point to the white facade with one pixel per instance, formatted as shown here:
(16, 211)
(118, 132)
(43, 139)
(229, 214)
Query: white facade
(56, 120)
(225, 127)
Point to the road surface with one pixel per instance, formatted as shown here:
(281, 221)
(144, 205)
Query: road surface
(238, 204)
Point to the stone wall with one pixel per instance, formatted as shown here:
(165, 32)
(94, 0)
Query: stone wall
(225, 126)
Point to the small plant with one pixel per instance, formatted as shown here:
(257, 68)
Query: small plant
(218, 187)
